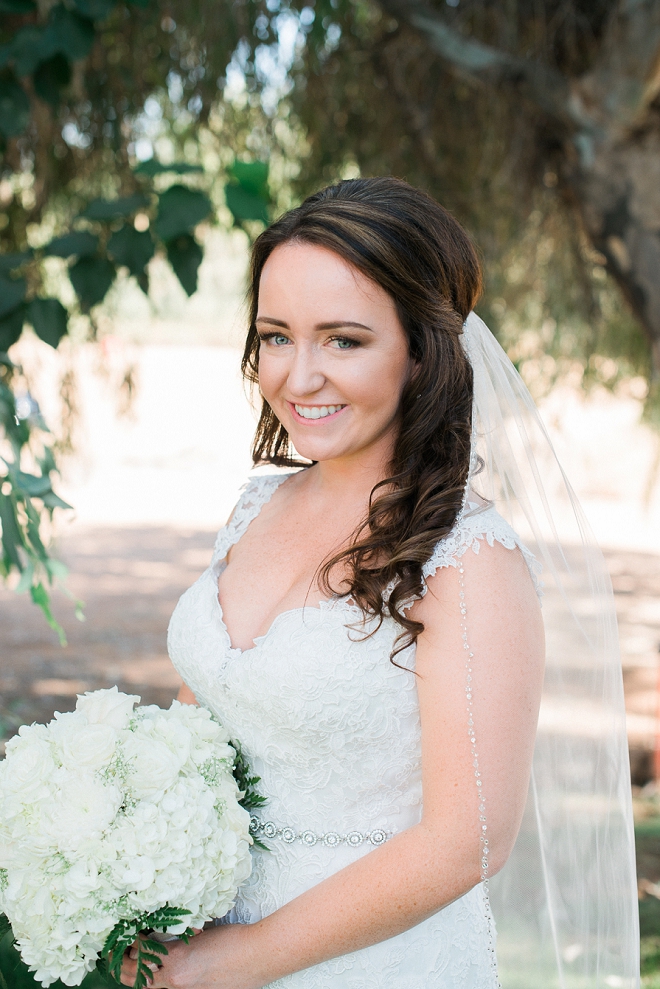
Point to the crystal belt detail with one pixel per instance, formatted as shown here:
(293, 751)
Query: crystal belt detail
(266, 829)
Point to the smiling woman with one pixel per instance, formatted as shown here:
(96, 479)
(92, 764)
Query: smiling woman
(357, 368)
(369, 630)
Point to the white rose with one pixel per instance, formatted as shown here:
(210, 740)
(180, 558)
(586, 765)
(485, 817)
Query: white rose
(83, 808)
(88, 746)
(81, 880)
(28, 767)
(109, 707)
(176, 736)
(154, 766)
(134, 872)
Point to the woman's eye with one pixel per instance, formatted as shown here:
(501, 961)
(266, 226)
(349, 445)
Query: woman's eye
(278, 339)
(343, 343)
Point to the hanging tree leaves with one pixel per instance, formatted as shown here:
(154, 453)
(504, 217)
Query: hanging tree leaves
(84, 68)
(536, 124)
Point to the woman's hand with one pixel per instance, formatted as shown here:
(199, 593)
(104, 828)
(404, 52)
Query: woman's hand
(214, 959)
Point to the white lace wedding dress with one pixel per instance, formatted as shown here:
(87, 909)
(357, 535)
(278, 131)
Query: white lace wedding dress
(332, 728)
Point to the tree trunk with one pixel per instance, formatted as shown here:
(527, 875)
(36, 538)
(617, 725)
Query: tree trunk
(609, 124)
(618, 196)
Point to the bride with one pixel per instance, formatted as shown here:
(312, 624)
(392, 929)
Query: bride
(370, 628)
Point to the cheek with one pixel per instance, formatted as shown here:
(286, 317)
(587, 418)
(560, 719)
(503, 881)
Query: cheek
(380, 385)
(271, 376)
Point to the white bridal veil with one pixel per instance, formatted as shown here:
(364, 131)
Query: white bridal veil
(565, 904)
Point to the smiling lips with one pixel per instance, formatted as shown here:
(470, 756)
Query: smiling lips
(317, 411)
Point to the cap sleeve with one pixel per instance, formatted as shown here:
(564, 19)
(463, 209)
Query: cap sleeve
(472, 528)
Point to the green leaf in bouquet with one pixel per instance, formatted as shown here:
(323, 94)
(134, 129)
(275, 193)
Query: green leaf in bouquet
(126, 932)
(179, 210)
(246, 782)
(49, 320)
(185, 255)
(14, 973)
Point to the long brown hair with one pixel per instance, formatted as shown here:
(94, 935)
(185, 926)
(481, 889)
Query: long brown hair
(414, 249)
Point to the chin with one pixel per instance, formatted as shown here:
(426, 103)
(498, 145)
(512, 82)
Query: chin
(309, 451)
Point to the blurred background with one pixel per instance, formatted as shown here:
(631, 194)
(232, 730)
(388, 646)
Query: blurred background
(145, 143)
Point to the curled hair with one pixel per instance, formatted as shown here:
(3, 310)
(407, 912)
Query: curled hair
(419, 254)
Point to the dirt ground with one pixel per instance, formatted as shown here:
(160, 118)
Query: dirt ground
(130, 579)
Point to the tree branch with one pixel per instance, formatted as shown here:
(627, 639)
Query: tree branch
(545, 87)
(626, 77)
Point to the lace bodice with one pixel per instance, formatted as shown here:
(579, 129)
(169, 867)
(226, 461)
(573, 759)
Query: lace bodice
(332, 728)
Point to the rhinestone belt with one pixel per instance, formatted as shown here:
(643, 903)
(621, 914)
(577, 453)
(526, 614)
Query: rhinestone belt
(330, 839)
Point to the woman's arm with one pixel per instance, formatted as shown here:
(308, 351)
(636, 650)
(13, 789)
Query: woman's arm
(421, 870)
(186, 695)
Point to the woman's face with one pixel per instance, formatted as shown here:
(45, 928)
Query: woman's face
(333, 359)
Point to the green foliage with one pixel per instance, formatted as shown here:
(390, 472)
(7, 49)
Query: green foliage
(244, 205)
(113, 209)
(14, 973)
(22, 548)
(248, 195)
(131, 248)
(14, 105)
(12, 293)
(81, 244)
(91, 279)
(125, 934)
(17, 6)
(11, 327)
(247, 783)
(185, 256)
(10, 262)
(153, 167)
(51, 77)
(179, 210)
(49, 319)
(650, 954)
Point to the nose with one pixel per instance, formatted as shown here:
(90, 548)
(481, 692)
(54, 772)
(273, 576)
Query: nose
(305, 374)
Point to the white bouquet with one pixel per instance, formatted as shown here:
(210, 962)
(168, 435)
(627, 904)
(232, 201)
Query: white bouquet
(113, 821)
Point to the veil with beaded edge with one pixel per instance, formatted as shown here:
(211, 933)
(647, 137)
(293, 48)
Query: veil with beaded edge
(565, 904)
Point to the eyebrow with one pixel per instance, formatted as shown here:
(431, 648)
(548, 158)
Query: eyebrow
(334, 325)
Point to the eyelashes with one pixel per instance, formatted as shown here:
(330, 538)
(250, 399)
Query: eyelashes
(349, 342)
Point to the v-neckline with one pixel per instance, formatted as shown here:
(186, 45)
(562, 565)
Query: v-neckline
(218, 566)
(324, 605)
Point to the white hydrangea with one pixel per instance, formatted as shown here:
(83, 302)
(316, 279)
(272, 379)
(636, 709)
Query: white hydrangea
(110, 812)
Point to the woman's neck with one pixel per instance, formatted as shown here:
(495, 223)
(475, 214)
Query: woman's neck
(347, 479)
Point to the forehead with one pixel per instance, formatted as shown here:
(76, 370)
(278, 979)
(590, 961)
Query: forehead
(313, 277)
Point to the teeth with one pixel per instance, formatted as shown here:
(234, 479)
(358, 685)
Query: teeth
(317, 411)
